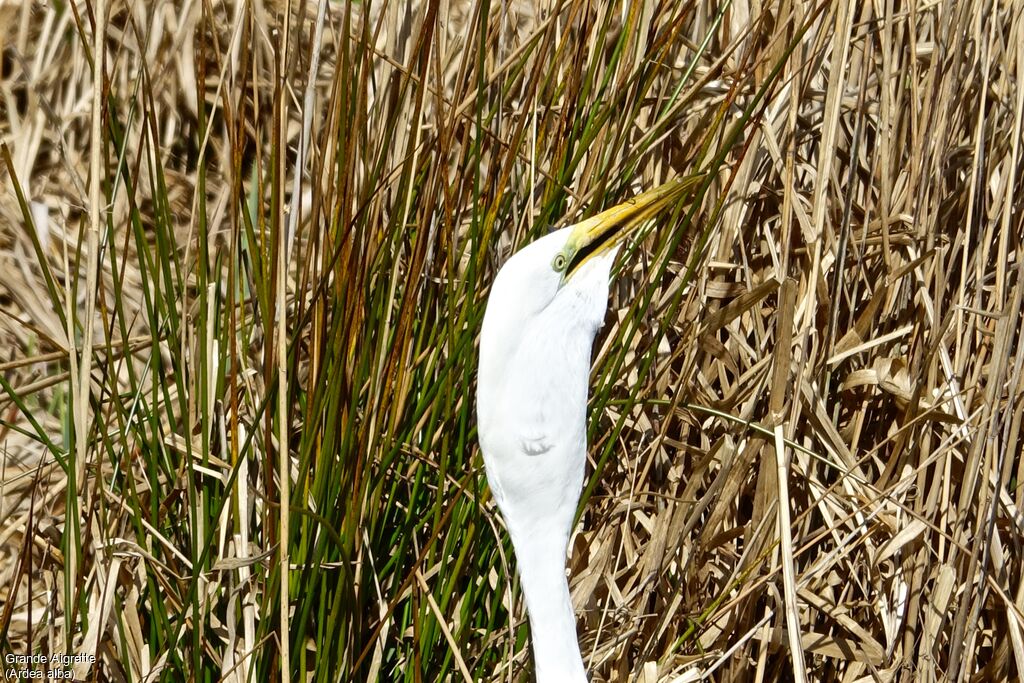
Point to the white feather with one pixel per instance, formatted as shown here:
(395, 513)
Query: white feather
(535, 352)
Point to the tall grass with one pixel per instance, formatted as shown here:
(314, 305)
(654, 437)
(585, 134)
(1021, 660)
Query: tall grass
(241, 286)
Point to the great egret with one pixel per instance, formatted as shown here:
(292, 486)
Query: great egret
(545, 308)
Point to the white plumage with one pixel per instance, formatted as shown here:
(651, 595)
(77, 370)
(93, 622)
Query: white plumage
(546, 305)
(532, 401)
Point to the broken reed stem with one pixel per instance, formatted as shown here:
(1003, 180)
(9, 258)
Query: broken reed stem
(786, 549)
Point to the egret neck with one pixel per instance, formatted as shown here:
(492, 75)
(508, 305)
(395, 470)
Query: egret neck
(544, 310)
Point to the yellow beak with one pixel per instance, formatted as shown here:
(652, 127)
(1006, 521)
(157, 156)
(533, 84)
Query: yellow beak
(600, 233)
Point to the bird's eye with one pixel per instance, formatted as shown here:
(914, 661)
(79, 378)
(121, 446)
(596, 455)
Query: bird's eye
(558, 263)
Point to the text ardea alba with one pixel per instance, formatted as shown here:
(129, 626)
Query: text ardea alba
(545, 308)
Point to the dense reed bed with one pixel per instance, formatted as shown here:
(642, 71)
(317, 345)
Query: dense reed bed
(241, 285)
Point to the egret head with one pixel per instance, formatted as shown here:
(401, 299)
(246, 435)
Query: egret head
(573, 263)
(554, 291)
